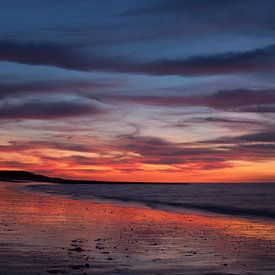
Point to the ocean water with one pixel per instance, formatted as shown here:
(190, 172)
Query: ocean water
(246, 200)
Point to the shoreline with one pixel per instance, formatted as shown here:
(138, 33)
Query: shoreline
(175, 207)
(78, 236)
(251, 221)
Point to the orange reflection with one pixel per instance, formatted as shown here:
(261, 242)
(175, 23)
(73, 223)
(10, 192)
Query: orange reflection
(52, 209)
(115, 236)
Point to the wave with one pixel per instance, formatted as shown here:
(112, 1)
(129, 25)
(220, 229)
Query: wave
(243, 200)
(220, 209)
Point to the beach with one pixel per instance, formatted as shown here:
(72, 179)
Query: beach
(43, 233)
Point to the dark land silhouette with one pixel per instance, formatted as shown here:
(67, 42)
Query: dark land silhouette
(17, 175)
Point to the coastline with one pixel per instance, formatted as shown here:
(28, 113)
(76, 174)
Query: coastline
(53, 234)
(112, 195)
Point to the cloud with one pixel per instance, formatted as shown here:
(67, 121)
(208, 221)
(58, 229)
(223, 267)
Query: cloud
(134, 151)
(259, 109)
(68, 57)
(259, 60)
(153, 150)
(226, 13)
(42, 53)
(220, 120)
(182, 7)
(52, 54)
(263, 139)
(238, 100)
(21, 146)
(47, 109)
(52, 86)
(260, 137)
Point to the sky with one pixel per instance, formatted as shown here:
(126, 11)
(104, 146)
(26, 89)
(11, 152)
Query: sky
(135, 90)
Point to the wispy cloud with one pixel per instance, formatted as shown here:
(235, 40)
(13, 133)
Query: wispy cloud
(238, 100)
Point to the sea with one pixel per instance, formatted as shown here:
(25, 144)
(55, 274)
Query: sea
(249, 200)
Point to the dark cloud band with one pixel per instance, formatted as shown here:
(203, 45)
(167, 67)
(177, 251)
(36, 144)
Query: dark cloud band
(68, 57)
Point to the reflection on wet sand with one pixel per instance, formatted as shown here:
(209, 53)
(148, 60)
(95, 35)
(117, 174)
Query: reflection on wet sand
(54, 234)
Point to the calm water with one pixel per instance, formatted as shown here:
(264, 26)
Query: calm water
(249, 200)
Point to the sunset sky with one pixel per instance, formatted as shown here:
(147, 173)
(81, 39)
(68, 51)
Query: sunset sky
(144, 90)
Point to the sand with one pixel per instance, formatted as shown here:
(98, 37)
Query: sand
(50, 234)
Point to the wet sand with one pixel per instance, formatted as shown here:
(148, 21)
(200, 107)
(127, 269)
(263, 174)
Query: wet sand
(50, 234)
